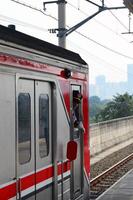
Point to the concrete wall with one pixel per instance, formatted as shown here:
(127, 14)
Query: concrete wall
(107, 134)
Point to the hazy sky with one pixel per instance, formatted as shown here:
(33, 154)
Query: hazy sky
(102, 44)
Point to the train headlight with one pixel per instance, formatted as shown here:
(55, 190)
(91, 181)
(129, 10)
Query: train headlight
(67, 73)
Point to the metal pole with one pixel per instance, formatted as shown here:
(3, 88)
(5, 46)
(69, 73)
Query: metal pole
(102, 3)
(62, 23)
(62, 188)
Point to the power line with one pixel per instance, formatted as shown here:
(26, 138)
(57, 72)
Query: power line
(27, 5)
(116, 18)
(105, 47)
(114, 68)
(97, 21)
(49, 15)
(81, 34)
(33, 8)
(9, 19)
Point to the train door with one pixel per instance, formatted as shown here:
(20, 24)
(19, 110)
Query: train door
(34, 166)
(77, 136)
(44, 168)
(26, 138)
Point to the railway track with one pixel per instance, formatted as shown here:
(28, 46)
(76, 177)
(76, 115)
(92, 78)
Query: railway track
(105, 180)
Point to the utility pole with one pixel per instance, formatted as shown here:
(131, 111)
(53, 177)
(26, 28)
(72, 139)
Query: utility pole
(62, 23)
(62, 31)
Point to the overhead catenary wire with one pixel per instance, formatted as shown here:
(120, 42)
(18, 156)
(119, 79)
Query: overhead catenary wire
(114, 67)
(49, 15)
(67, 26)
(81, 34)
(104, 46)
(101, 63)
(116, 17)
(97, 21)
(22, 23)
(33, 8)
(80, 10)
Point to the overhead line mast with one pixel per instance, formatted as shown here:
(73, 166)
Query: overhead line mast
(62, 31)
(61, 21)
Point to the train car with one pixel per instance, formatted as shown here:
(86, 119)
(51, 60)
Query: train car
(43, 154)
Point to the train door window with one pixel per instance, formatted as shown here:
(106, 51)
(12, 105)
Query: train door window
(43, 125)
(77, 98)
(24, 128)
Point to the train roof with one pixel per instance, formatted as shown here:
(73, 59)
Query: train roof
(10, 35)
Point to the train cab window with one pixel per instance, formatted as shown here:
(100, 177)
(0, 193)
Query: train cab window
(77, 97)
(77, 111)
(43, 125)
(24, 128)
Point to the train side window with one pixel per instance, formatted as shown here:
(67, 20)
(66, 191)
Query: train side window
(77, 98)
(24, 128)
(43, 125)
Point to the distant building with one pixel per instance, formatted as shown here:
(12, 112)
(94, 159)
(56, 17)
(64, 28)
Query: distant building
(106, 90)
(100, 80)
(130, 77)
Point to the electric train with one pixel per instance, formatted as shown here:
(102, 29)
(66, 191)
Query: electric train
(43, 156)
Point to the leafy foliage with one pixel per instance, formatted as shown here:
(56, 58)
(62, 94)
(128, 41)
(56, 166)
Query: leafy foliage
(120, 106)
(95, 106)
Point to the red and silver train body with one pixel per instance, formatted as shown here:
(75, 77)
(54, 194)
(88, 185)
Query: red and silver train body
(37, 83)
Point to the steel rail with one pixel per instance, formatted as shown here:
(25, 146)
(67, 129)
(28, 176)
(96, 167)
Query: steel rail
(105, 178)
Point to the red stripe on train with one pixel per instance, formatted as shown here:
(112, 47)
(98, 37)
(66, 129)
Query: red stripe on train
(8, 192)
(65, 168)
(44, 174)
(26, 182)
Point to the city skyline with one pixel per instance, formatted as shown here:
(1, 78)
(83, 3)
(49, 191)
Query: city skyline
(99, 42)
(106, 90)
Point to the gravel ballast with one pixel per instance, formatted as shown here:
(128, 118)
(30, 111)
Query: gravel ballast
(110, 160)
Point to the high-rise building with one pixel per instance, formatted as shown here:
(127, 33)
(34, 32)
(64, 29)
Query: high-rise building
(100, 80)
(130, 77)
(106, 90)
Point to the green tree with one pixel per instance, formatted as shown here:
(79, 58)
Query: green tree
(120, 106)
(94, 100)
(95, 106)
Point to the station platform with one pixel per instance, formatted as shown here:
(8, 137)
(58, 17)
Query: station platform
(121, 190)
